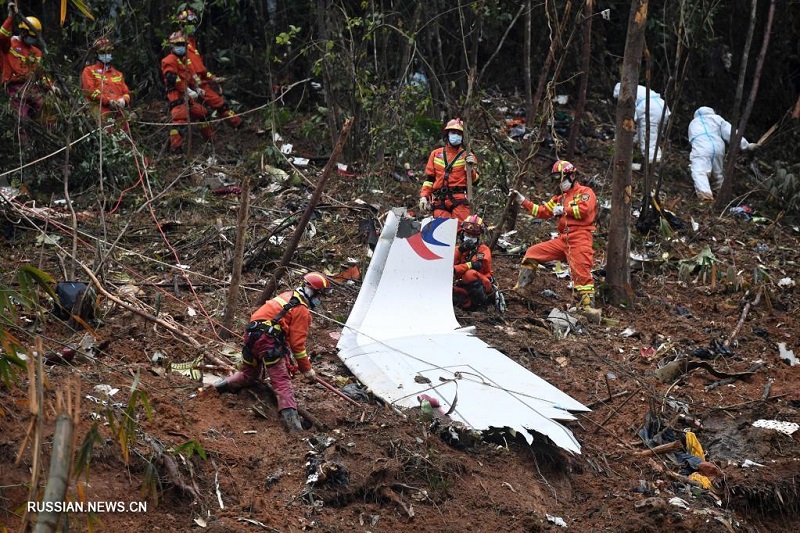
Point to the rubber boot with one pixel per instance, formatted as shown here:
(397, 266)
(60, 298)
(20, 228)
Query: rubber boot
(586, 308)
(525, 277)
(291, 420)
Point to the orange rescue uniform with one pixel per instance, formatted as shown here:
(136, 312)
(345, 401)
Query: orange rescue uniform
(103, 83)
(211, 97)
(178, 76)
(20, 63)
(446, 182)
(472, 270)
(574, 242)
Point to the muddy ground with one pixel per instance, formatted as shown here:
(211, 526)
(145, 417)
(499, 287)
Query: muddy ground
(224, 463)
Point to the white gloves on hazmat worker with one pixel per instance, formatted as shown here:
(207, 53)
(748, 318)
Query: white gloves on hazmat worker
(121, 103)
(191, 93)
(752, 146)
(424, 204)
(558, 210)
(470, 159)
(517, 196)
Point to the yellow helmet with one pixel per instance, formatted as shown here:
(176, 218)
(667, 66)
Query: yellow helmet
(456, 124)
(31, 22)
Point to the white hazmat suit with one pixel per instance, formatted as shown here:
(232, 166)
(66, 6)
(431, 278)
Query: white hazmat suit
(708, 133)
(657, 108)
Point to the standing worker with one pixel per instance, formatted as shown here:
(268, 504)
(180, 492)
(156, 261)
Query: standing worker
(708, 133)
(575, 206)
(445, 188)
(472, 268)
(276, 329)
(659, 115)
(211, 98)
(183, 92)
(103, 85)
(22, 76)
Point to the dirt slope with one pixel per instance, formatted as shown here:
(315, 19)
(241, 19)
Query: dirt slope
(392, 472)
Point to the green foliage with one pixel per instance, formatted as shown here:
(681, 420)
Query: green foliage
(285, 38)
(31, 281)
(191, 447)
(784, 186)
(84, 457)
(123, 427)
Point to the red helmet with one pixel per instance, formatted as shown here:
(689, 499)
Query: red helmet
(455, 124)
(317, 281)
(473, 225)
(177, 38)
(187, 15)
(563, 167)
(102, 44)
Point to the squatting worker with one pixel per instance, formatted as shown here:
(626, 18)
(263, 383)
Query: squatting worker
(474, 285)
(277, 329)
(575, 206)
(445, 188)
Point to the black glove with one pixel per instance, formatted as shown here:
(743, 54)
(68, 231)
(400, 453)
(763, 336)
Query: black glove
(463, 248)
(477, 265)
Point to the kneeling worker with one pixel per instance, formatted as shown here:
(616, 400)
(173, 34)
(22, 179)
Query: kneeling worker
(276, 329)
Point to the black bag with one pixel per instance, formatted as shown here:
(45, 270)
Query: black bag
(74, 298)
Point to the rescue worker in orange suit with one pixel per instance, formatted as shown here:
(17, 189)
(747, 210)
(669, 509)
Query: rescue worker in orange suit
(445, 188)
(575, 206)
(277, 329)
(472, 268)
(183, 93)
(21, 65)
(211, 98)
(104, 86)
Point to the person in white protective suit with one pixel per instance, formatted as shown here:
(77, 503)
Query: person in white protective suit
(657, 108)
(708, 133)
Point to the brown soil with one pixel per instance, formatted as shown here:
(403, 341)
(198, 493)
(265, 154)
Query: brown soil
(394, 472)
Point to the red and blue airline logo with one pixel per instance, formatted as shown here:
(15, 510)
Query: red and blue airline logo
(419, 241)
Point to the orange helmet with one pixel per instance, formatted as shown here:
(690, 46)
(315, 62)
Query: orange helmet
(317, 281)
(177, 38)
(562, 168)
(456, 124)
(187, 15)
(102, 44)
(473, 225)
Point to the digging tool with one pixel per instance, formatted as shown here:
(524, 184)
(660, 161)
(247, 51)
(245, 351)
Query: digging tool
(336, 391)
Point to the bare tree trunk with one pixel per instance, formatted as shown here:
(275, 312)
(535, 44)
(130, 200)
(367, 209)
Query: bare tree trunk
(618, 271)
(301, 225)
(726, 191)
(61, 458)
(527, 59)
(238, 258)
(748, 43)
(555, 40)
(323, 22)
(586, 50)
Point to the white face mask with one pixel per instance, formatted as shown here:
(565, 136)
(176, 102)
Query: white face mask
(454, 139)
(470, 242)
(566, 185)
(104, 58)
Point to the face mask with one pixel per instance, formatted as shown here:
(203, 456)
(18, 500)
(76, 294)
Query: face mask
(454, 139)
(104, 58)
(314, 302)
(470, 242)
(566, 185)
(179, 50)
(30, 40)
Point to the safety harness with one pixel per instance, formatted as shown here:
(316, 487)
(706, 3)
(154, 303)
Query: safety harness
(446, 192)
(269, 336)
